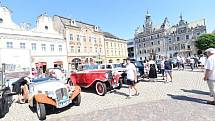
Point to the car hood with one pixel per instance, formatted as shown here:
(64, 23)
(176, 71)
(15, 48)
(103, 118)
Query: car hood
(50, 85)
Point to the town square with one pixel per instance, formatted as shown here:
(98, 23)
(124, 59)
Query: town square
(107, 60)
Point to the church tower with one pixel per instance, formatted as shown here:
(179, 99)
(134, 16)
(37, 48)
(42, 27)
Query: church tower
(148, 23)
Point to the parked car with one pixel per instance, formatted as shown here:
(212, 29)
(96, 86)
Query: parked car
(50, 91)
(100, 79)
(113, 66)
(140, 67)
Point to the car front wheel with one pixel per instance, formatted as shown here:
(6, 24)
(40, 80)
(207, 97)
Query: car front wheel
(77, 100)
(41, 111)
(101, 88)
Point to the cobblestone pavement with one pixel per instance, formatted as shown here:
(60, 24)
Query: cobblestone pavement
(156, 100)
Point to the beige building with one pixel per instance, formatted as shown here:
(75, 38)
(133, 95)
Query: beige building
(116, 48)
(85, 42)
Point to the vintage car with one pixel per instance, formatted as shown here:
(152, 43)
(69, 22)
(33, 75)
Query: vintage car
(52, 92)
(113, 66)
(100, 79)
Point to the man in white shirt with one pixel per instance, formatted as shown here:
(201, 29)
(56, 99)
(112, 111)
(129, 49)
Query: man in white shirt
(131, 77)
(210, 73)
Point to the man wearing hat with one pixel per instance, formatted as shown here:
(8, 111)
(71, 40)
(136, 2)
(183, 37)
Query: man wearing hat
(210, 73)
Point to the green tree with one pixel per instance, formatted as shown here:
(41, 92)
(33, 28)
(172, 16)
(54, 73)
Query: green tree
(205, 41)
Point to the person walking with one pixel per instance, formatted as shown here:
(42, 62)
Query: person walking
(202, 62)
(162, 67)
(178, 62)
(131, 77)
(168, 69)
(182, 61)
(192, 62)
(210, 73)
(152, 70)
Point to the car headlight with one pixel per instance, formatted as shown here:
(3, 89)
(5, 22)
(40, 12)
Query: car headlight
(50, 94)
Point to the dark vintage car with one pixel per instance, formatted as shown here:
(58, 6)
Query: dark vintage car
(100, 79)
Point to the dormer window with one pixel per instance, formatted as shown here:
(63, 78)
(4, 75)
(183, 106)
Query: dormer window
(46, 27)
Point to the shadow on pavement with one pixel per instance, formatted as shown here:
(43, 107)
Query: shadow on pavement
(186, 98)
(119, 93)
(196, 92)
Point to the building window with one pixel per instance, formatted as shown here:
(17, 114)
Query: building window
(46, 27)
(95, 40)
(89, 39)
(9, 44)
(169, 38)
(111, 52)
(152, 43)
(151, 37)
(121, 45)
(170, 48)
(91, 49)
(158, 42)
(139, 45)
(178, 38)
(157, 35)
(43, 47)
(106, 44)
(198, 33)
(70, 36)
(1, 20)
(115, 45)
(188, 46)
(111, 44)
(84, 38)
(96, 50)
(144, 51)
(22, 45)
(72, 49)
(85, 49)
(144, 45)
(79, 49)
(107, 52)
(170, 41)
(33, 46)
(60, 48)
(140, 52)
(159, 49)
(152, 50)
(52, 47)
(100, 50)
(187, 37)
(78, 37)
(100, 40)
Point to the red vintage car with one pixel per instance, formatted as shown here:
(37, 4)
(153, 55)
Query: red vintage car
(100, 79)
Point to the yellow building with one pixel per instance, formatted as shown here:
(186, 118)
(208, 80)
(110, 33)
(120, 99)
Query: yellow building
(85, 42)
(116, 48)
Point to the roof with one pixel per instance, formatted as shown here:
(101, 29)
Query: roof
(67, 22)
(109, 35)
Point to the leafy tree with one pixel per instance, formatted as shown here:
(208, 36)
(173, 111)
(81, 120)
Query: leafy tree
(205, 41)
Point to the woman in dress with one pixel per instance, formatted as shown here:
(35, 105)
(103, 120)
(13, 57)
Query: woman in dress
(152, 70)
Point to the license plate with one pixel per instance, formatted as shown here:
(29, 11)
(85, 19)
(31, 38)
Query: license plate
(63, 103)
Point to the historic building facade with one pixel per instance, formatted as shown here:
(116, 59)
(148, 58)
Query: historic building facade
(85, 42)
(47, 47)
(116, 48)
(149, 40)
(165, 40)
(131, 49)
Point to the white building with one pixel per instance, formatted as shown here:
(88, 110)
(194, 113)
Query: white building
(47, 47)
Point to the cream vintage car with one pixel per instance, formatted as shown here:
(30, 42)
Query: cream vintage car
(51, 91)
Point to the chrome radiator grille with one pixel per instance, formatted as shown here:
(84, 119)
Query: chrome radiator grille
(61, 93)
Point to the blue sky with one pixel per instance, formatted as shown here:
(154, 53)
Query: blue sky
(119, 17)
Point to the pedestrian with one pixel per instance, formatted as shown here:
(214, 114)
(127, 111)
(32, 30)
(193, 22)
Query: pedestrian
(168, 69)
(162, 67)
(178, 62)
(210, 73)
(182, 62)
(196, 60)
(131, 77)
(202, 62)
(192, 62)
(152, 70)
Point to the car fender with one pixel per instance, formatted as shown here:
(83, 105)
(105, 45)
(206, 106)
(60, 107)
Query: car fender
(43, 98)
(75, 93)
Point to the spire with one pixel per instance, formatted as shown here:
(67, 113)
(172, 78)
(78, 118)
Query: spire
(147, 13)
(181, 16)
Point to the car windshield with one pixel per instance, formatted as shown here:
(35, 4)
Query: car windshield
(139, 64)
(90, 67)
(116, 65)
(43, 79)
